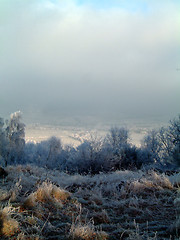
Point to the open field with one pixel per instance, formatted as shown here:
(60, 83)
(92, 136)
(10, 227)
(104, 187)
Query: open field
(72, 133)
(37, 203)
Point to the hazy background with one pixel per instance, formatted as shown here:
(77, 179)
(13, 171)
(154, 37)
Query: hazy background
(87, 60)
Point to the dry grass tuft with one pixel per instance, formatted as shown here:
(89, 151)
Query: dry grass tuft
(151, 182)
(8, 225)
(4, 195)
(86, 232)
(49, 192)
(41, 195)
(60, 194)
(30, 201)
(161, 180)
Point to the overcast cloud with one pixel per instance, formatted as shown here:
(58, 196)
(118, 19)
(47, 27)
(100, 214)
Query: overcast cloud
(70, 58)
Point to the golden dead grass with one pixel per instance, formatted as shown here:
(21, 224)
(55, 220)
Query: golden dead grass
(60, 194)
(86, 232)
(30, 201)
(152, 182)
(47, 193)
(8, 225)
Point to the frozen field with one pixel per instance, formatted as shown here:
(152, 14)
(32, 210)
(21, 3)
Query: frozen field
(74, 134)
(42, 204)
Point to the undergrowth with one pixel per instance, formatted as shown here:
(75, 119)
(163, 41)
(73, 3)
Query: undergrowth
(37, 203)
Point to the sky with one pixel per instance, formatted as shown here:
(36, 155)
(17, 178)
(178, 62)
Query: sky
(69, 58)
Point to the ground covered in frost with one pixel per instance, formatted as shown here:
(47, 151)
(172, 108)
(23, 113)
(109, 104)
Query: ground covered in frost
(38, 203)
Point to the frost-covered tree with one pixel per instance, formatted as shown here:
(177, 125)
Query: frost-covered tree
(86, 158)
(54, 151)
(163, 145)
(174, 130)
(174, 134)
(118, 152)
(166, 144)
(12, 139)
(115, 143)
(118, 137)
(3, 143)
(48, 153)
(15, 136)
(151, 145)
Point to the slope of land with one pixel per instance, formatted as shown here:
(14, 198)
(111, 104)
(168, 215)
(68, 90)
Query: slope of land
(38, 203)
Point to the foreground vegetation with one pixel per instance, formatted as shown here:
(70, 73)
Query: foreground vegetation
(38, 203)
(103, 189)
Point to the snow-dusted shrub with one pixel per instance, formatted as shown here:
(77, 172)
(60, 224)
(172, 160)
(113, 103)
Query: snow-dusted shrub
(48, 153)
(86, 158)
(163, 145)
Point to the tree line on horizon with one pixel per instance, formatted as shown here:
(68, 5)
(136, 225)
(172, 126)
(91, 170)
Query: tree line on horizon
(160, 149)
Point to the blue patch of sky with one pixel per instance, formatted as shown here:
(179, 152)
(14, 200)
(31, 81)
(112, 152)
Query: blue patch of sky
(130, 5)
